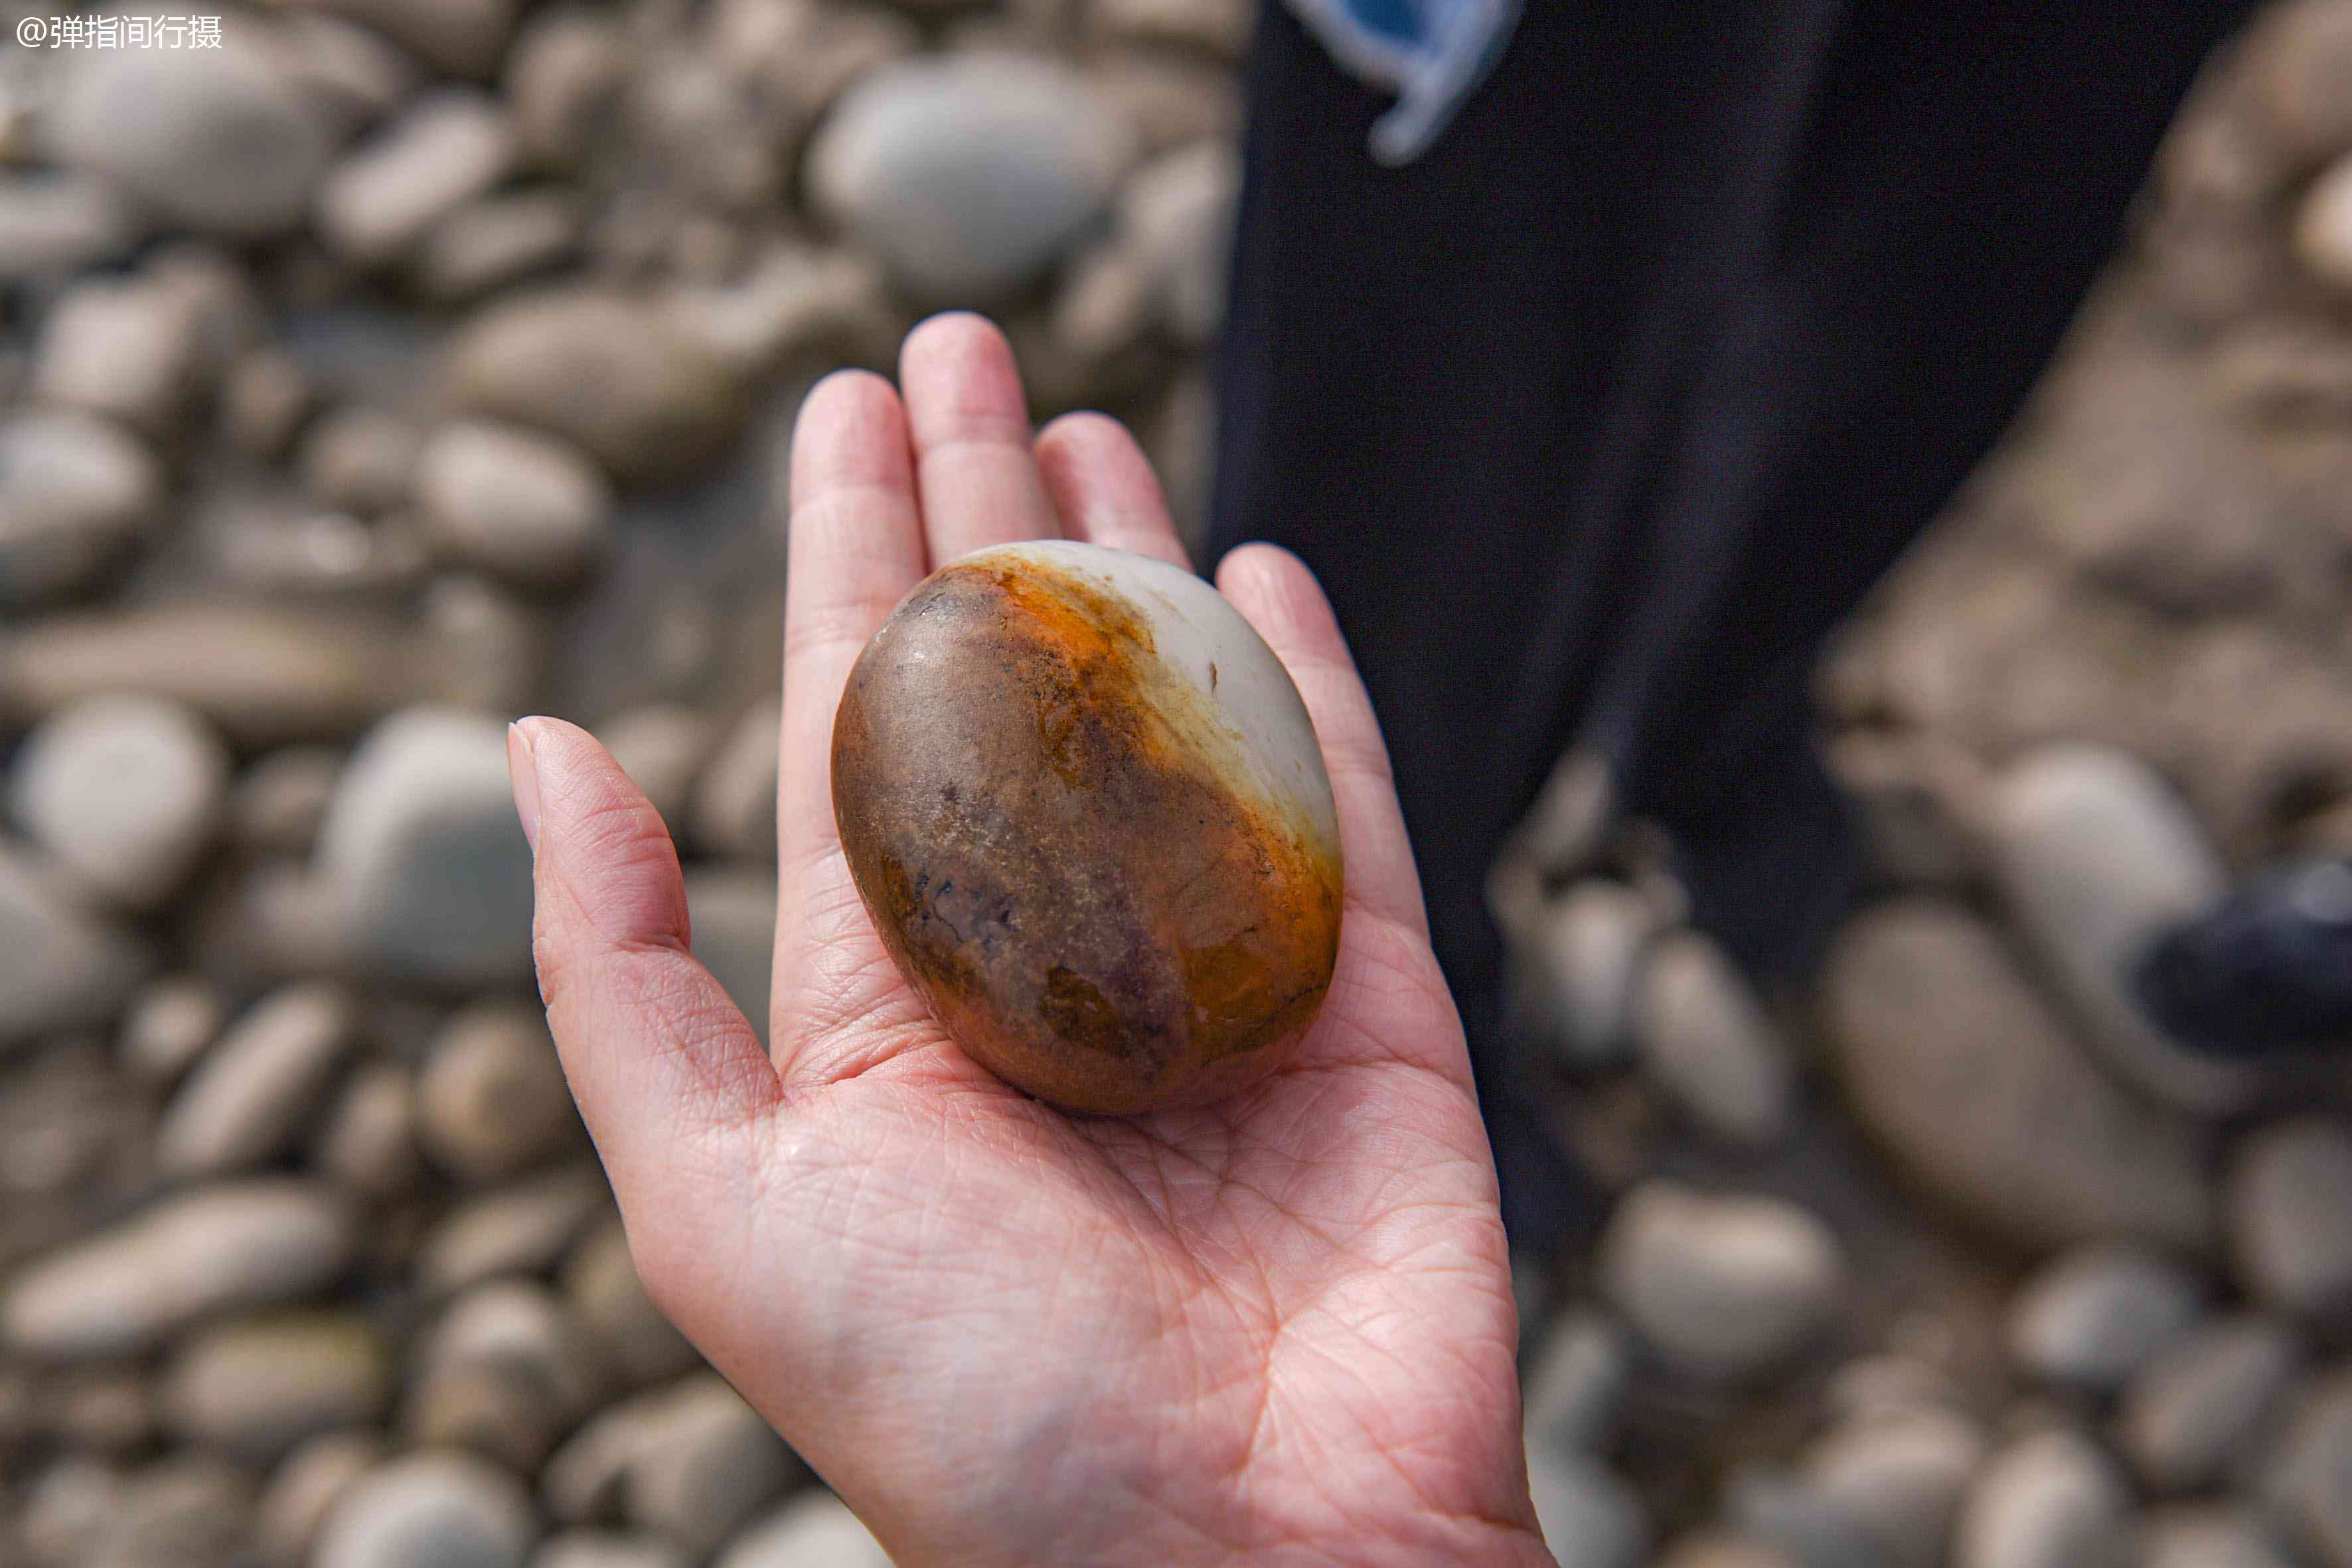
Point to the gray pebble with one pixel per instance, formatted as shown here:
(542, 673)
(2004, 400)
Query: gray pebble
(505, 1372)
(61, 965)
(2197, 1411)
(489, 244)
(608, 1548)
(125, 792)
(734, 810)
(491, 1099)
(1721, 1287)
(1573, 1386)
(2289, 1197)
(662, 747)
(249, 1097)
(814, 1531)
(2209, 1536)
(1176, 213)
(1965, 1078)
(131, 350)
(512, 502)
(970, 175)
(1591, 1517)
(278, 803)
(2097, 855)
(361, 459)
(304, 1488)
(2306, 1481)
(170, 1025)
(446, 147)
(2094, 1316)
(688, 1460)
(1701, 1035)
(609, 1301)
(1897, 1477)
(2047, 1500)
(734, 913)
(1579, 965)
(255, 1387)
(74, 494)
(520, 1228)
(265, 673)
(218, 141)
(458, 37)
(127, 1289)
(368, 1140)
(608, 372)
(54, 223)
(423, 854)
(446, 1510)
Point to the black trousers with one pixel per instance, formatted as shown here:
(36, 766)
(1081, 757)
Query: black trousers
(1598, 417)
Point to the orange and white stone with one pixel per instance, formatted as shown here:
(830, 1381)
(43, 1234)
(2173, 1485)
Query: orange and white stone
(1086, 808)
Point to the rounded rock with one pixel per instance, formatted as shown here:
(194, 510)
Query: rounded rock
(512, 502)
(426, 864)
(521, 1228)
(1965, 1077)
(60, 966)
(968, 176)
(733, 912)
(2048, 1500)
(2288, 1199)
(304, 1488)
(1089, 813)
(448, 147)
(75, 492)
(814, 1531)
(257, 1386)
(2306, 1480)
(2211, 1536)
(491, 1099)
(606, 371)
(368, 1142)
(169, 1027)
(733, 811)
(127, 1288)
(218, 141)
(711, 1463)
(1591, 1516)
(1722, 1288)
(280, 800)
(2093, 1317)
(608, 1548)
(2194, 1412)
(444, 1509)
(661, 746)
(246, 1102)
(1896, 1478)
(609, 1300)
(125, 792)
(1701, 1035)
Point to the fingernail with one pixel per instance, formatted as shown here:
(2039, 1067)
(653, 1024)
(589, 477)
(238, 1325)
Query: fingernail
(522, 773)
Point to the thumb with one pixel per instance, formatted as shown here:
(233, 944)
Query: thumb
(668, 1072)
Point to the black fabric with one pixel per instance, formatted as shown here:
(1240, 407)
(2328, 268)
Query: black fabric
(1594, 419)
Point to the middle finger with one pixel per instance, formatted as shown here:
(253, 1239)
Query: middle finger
(975, 469)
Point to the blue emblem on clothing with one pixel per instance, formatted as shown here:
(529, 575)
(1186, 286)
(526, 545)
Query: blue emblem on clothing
(1430, 53)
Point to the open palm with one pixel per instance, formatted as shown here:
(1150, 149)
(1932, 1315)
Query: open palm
(1276, 1329)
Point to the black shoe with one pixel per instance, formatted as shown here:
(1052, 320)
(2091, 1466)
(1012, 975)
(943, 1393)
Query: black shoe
(2266, 973)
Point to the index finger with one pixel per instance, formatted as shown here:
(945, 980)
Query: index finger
(855, 546)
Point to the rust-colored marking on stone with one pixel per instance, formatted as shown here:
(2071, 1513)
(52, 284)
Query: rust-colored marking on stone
(1044, 822)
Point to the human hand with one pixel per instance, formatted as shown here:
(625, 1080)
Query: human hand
(1276, 1329)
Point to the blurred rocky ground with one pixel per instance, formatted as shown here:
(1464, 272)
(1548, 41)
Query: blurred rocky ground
(405, 364)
